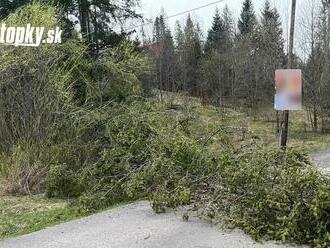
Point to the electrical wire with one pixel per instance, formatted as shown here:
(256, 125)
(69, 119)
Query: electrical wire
(149, 22)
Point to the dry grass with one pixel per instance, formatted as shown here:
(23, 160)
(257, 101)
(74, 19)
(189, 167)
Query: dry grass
(262, 127)
(300, 134)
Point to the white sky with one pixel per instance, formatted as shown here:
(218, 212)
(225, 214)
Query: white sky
(151, 8)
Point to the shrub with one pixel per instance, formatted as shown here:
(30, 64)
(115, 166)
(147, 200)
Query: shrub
(36, 97)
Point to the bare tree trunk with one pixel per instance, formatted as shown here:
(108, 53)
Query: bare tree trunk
(84, 23)
(315, 120)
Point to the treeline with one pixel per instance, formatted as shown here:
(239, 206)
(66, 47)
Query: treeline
(231, 65)
(235, 64)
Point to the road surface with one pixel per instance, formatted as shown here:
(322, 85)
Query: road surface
(323, 160)
(135, 226)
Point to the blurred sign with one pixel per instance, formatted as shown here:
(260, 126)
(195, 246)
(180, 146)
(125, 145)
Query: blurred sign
(288, 85)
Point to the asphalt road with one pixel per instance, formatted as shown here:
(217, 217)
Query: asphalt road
(135, 226)
(323, 160)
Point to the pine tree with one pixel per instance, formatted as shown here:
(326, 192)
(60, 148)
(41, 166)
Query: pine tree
(180, 57)
(217, 62)
(164, 55)
(216, 36)
(248, 20)
(270, 50)
(228, 22)
(192, 55)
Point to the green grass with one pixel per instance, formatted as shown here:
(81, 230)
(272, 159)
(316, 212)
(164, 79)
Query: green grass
(25, 214)
(263, 127)
(21, 215)
(300, 134)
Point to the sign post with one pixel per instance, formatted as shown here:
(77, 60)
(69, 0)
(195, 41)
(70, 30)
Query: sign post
(285, 126)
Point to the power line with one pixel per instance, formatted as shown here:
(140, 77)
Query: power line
(178, 14)
(194, 9)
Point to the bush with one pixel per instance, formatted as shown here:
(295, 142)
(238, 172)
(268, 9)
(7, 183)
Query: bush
(48, 98)
(36, 97)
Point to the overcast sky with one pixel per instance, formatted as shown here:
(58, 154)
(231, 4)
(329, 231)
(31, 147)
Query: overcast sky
(151, 8)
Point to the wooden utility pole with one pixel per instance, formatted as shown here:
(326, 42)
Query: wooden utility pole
(285, 127)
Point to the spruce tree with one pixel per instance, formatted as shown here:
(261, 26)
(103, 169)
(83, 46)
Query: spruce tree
(164, 54)
(248, 19)
(270, 50)
(221, 33)
(215, 37)
(217, 62)
(247, 83)
(180, 57)
(228, 23)
(192, 55)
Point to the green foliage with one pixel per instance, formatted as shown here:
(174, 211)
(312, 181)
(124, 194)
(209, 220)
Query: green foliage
(46, 98)
(273, 194)
(8, 6)
(150, 152)
(93, 17)
(62, 182)
(116, 76)
(248, 20)
(269, 194)
(36, 96)
(35, 83)
(113, 78)
(220, 36)
(132, 144)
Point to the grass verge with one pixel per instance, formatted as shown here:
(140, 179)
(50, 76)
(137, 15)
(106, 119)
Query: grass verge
(25, 214)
